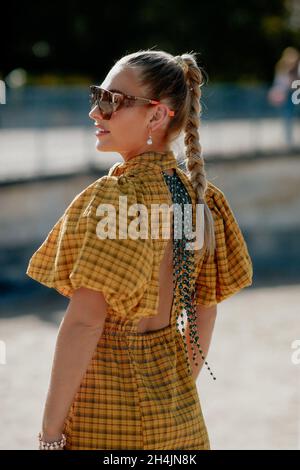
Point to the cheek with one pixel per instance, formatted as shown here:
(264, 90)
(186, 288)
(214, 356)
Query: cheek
(128, 123)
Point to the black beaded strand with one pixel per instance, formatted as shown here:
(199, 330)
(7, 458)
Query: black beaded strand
(184, 265)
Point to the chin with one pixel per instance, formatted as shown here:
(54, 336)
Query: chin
(102, 147)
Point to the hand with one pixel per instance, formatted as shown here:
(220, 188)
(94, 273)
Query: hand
(276, 96)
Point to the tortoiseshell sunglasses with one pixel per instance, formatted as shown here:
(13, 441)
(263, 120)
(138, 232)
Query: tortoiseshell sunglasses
(110, 101)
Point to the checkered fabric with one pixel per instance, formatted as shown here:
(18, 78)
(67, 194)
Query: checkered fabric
(137, 392)
(230, 268)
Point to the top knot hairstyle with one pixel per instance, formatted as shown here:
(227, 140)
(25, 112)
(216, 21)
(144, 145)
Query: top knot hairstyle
(178, 80)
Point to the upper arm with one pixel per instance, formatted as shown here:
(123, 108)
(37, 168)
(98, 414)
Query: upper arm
(87, 307)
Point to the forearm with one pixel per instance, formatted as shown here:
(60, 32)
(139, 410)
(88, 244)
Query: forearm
(75, 345)
(206, 317)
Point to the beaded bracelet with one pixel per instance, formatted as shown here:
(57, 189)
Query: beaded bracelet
(52, 445)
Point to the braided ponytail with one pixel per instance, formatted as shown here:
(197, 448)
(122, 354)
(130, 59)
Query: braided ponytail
(194, 159)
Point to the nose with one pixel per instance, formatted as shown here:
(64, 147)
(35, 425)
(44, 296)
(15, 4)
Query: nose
(93, 112)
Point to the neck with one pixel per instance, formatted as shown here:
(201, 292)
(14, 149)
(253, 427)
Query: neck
(128, 155)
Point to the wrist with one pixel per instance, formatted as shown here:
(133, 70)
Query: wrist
(50, 437)
(51, 441)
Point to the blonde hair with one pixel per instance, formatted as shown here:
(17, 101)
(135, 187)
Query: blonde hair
(178, 80)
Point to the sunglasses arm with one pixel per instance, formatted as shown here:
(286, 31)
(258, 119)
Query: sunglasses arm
(170, 113)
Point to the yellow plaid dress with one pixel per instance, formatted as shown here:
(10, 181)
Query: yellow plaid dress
(137, 392)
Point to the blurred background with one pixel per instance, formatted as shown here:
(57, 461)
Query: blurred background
(250, 133)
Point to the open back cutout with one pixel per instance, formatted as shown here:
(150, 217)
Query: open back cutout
(166, 290)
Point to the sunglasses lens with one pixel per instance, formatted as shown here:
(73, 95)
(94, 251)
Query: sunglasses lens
(107, 102)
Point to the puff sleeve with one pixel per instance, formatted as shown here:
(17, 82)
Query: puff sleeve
(74, 255)
(230, 268)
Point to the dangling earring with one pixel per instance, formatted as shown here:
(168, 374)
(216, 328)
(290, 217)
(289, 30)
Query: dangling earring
(149, 141)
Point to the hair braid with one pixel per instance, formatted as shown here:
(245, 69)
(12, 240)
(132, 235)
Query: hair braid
(194, 159)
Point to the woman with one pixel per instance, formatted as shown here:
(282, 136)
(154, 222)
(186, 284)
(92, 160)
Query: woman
(125, 366)
(287, 71)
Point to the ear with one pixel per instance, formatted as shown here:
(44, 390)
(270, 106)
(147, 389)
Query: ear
(158, 116)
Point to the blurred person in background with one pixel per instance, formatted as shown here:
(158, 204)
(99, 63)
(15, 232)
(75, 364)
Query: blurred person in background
(287, 70)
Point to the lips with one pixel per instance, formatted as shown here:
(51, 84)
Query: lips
(101, 129)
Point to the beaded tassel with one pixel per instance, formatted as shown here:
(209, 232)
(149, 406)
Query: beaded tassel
(184, 265)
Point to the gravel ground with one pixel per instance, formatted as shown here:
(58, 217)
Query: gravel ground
(254, 402)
